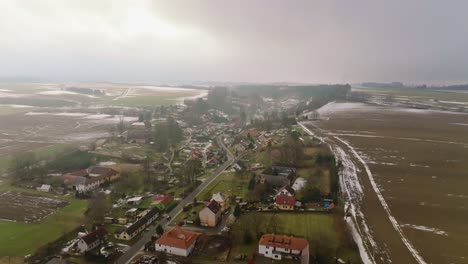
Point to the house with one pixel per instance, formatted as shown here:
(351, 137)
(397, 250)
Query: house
(251, 133)
(210, 214)
(134, 200)
(177, 242)
(131, 212)
(277, 175)
(161, 201)
(286, 190)
(222, 199)
(44, 188)
(285, 202)
(91, 240)
(135, 228)
(280, 246)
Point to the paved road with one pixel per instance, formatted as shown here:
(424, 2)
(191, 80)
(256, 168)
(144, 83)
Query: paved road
(135, 248)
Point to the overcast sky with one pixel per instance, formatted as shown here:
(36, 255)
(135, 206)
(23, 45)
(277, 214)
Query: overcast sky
(214, 40)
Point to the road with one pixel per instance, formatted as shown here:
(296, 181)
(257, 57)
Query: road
(135, 248)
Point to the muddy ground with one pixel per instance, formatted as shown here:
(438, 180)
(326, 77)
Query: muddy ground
(418, 161)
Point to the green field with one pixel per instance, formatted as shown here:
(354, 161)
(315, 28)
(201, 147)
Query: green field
(228, 183)
(20, 239)
(318, 229)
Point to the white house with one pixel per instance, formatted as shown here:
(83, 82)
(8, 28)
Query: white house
(284, 247)
(91, 240)
(177, 242)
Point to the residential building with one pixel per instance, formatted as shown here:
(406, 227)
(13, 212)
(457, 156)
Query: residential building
(286, 190)
(177, 242)
(285, 202)
(210, 214)
(92, 240)
(138, 226)
(161, 201)
(222, 199)
(280, 247)
(277, 175)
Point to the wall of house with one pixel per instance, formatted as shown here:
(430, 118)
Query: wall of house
(207, 218)
(173, 250)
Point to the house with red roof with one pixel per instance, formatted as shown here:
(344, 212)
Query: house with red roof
(161, 201)
(91, 240)
(177, 241)
(285, 202)
(280, 247)
(210, 214)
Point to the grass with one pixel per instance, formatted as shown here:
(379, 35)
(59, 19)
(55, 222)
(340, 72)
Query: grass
(20, 239)
(228, 183)
(318, 229)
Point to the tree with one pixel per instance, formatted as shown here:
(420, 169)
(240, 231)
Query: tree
(160, 137)
(97, 208)
(159, 230)
(175, 133)
(252, 184)
(237, 211)
(192, 168)
(248, 239)
(22, 166)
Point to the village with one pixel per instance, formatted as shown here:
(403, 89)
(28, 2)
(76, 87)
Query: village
(193, 184)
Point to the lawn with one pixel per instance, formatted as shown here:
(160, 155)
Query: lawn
(228, 183)
(20, 239)
(318, 229)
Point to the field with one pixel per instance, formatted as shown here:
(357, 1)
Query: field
(228, 183)
(416, 161)
(318, 229)
(27, 208)
(20, 239)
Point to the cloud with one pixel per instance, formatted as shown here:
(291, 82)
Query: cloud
(306, 41)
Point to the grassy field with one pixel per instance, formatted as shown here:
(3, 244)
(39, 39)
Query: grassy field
(228, 183)
(318, 229)
(20, 239)
(145, 101)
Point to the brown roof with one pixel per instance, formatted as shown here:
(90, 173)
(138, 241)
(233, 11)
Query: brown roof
(81, 173)
(99, 234)
(283, 241)
(285, 200)
(179, 238)
(214, 206)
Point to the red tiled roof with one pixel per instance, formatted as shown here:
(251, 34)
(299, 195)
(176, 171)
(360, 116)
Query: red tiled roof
(81, 173)
(162, 199)
(283, 241)
(285, 200)
(178, 238)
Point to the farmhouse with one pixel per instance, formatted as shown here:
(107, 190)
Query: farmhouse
(134, 229)
(277, 175)
(222, 199)
(210, 214)
(91, 240)
(280, 246)
(177, 242)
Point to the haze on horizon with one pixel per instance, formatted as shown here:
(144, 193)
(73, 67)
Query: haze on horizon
(420, 41)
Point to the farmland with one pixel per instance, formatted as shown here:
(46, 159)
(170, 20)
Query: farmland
(19, 239)
(422, 185)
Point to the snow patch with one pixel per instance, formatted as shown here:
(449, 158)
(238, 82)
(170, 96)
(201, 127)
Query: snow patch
(426, 229)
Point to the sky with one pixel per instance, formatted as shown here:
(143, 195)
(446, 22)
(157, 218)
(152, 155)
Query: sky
(310, 41)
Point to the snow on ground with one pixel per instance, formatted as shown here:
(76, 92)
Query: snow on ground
(92, 117)
(333, 107)
(426, 229)
(454, 102)
(16, 105)
(459, 124)
(384, 204)
(5, 90)
(62, 92)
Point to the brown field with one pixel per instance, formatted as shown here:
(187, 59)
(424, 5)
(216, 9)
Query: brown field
(419, 162)
(28, 208)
